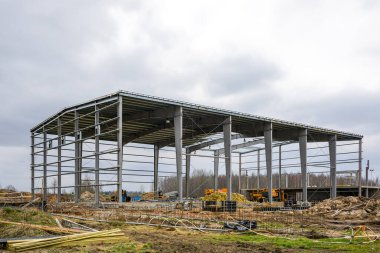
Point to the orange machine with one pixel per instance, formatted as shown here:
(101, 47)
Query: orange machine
(261, 195)
(211, 191)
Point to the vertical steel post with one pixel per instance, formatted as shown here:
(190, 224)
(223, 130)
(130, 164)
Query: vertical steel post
(360, 167)
(187, 187)
(178, 149)
(332, 152)
(303, 158)
(268, 138)
(80, 153)
(366, 179)
(44, 195)
(76, 147)
(120, 148)
(279, 166)
(239, 186)
(227, 128)
(59, 164)
(32, 165)
(97, 138)
(216, 169)
(246, 180)
(258, 170)
(155, 169)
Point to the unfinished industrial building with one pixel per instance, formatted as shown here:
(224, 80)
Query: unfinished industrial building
(104, 141)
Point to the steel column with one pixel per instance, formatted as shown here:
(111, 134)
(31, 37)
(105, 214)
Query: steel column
(59, 153)
(258, 170)
(366, 179)
(76, 147)
(155, 169)
(32, 165)
(80, 160)
(44, 184)
(187, 187)
(227, 127)
(268, 136)
(332, 152)
(279, 166)
(239, 186)
(216, 169)
(303, 158)
(178, 148)
(360, 167)
(97, 150)
(120, 148)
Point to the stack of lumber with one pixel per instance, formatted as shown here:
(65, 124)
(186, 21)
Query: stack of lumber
(15, 197)
(55, 230)
(32, 244)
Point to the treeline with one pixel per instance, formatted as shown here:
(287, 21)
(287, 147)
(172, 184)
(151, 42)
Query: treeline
(201, 180)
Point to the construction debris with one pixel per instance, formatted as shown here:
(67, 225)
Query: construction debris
(32, 244)
(348, 208)
(55, 230)
(10, 197)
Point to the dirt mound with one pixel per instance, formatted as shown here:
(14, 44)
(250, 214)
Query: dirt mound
(348, 208)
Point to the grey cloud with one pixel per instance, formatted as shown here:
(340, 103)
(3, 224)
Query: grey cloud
(239, 74)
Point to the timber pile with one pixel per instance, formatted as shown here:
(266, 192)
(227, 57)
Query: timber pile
(15, 197)
(148, 196)
(348, 208)
(55, 230)
(32, 244)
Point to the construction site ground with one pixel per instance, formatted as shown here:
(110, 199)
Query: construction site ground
(326, 227)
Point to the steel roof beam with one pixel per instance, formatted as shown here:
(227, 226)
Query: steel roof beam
(241, 145)
(213, 142)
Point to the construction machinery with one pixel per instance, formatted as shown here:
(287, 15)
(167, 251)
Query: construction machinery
(261, 195)
(211, 191)
(124, 196)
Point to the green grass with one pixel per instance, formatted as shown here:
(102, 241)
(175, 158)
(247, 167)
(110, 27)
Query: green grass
(302, 243)
(32, 216)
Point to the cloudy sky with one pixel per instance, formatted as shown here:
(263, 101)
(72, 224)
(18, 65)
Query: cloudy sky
(315, 62)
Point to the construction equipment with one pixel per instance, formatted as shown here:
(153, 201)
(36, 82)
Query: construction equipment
(261, 195)
(211, 191)
(124, 196)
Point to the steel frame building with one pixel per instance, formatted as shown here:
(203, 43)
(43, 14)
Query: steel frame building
(107, 124)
